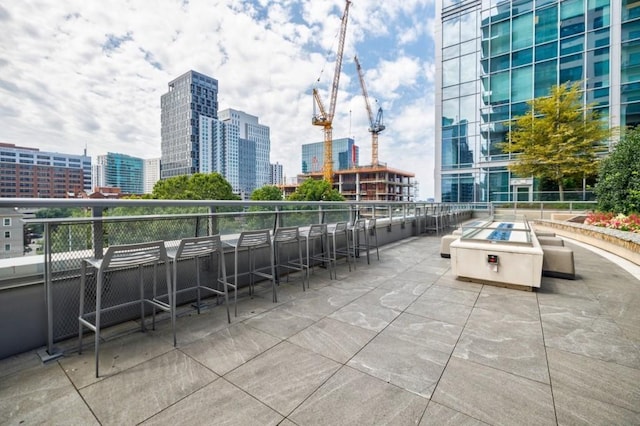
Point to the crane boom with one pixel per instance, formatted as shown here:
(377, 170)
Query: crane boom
(375, 126)
(325, 118)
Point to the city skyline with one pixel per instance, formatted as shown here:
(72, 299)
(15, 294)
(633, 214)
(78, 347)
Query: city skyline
(77, 74)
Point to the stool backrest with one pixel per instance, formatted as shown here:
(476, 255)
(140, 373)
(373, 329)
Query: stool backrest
(318, 230)
(198, 246)
(254, 238)
(360, 224)
(341, 227)
(286, 234)
(127, 255)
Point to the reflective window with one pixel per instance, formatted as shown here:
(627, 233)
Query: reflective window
(450, 72)
(450, 109)
(468, 108)
(598, 96)
(572, 68)
(546, 51)
(522, 32)
(545, 78)
(522, 84)
(450, 92)
(598, 70)
(451, 32)
(572, 45)
(468, 26)
(468, 88)
(451, 52)
(571, 17)
(468, 68)
(630, 93)
(521, 6)
(598, 38)
(522, 57)
(630, 9)
(546, 24)
(630, 115)
(500, 38)
(500, 87)
(500, 113)
(468, 47)
(519, 109)
(630, 62)
(631, 30)
(597, 14)
(500, 63)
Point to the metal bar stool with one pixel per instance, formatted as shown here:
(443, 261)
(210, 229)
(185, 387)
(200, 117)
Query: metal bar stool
(314, 233)
(252, 241)
(359, 239)
(287, 236)
(120, 257)
(196, 248)
(340, 228)
(373, 235)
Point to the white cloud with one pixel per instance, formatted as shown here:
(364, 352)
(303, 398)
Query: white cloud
(78, 73)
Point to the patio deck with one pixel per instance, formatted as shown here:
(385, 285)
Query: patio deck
(399, 341)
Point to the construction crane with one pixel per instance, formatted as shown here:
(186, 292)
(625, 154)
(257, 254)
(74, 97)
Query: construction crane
(324, 117)
(376, 126)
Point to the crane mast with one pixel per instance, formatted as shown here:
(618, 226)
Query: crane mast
(375, 126)
(325, 118)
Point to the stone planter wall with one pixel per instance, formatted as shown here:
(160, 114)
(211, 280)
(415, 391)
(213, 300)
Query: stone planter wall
(621, 243)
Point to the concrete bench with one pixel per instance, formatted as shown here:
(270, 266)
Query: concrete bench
(557, 261)
(550, 241)
(445, 242)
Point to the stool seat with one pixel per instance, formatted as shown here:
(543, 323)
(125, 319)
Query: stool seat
(282, 237)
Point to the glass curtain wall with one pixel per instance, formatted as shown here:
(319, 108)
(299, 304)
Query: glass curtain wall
(497, 55)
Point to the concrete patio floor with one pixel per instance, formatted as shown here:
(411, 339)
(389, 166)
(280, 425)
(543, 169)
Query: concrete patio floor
(400, 341)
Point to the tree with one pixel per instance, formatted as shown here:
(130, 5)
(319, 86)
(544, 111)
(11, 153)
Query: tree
(556, 138)
(618, 185)
(200, 186)
(267, 193)
(316, 190)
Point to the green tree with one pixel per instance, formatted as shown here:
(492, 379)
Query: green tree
(267, 193)
(618, 185)
(200, 186)
(556, 138)
(316, 190)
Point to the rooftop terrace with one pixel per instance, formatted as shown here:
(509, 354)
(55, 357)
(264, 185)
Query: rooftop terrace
(400, 341)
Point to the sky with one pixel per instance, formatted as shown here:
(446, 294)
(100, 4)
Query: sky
(79, 74)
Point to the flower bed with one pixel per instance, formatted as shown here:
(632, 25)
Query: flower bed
(609, 220)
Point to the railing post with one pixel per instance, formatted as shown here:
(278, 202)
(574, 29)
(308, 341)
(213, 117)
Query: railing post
(98, 230)
(278, 220)
(213, 221)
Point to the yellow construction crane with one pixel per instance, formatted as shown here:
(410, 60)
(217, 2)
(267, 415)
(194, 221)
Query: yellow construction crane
(375, 126)
(324, 118)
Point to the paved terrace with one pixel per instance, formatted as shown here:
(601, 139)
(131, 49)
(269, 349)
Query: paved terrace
(397, 342)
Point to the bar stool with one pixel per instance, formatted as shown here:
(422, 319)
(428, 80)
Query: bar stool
(286, 236)
(359, 239)
(314, 233)
(340, 228)
(197, 248)
(373, 235)
(120, 257)
(252, 241)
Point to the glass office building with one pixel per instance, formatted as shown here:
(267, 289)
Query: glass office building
(345, 155)
(190, 96)
(493, 56)
(119, 171)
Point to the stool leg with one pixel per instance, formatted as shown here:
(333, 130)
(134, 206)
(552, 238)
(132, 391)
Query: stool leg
(197, 261)
(98, 309)
(83, 278)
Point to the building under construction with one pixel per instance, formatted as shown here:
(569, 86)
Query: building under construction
(367, 183)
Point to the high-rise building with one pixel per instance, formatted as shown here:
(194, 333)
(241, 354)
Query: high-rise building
(237, 146)
(493, 56)
(31, 173)
(190, 96)
(120, 171)
(151, 173)
(345, 155)
(277, 174)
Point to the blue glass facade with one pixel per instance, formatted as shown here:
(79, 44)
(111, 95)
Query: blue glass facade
(345, 155)
(124, 172)
(497, 55)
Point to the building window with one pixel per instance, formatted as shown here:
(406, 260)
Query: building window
(7, 247)
(7, 234)
(6, 221)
